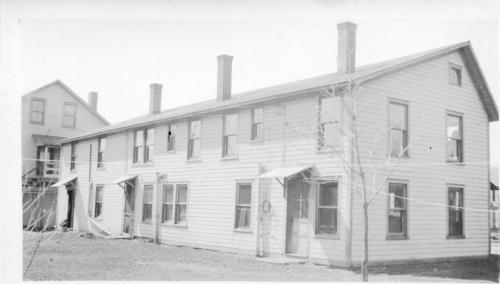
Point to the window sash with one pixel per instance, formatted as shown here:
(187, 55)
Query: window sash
(243, 208)
(147, 204)
(397, 211)
(37, 111)
(98, 202)
(455, 212)
(171, 137)
(174, 207)
(69, 115)
(101, 152)
(72, 163)
(257, 122)
(327, 210)
(194, 143)
(454, 140)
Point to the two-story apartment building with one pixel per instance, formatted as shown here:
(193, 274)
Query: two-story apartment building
(267, 172)
(49, 113)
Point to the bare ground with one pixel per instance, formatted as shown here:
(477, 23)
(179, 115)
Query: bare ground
(67, 256)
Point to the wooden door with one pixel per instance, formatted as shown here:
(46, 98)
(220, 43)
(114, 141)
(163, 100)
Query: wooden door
(297, 218)
(71, 206)
(128, 211)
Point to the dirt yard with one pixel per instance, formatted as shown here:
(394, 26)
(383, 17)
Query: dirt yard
(67, 256)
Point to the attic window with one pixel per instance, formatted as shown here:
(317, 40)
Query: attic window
(455, 75)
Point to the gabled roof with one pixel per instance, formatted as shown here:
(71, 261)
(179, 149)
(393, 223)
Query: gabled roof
(74, 95)
(288, 90)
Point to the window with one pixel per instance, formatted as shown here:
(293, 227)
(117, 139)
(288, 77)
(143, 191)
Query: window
(143, 145)
(454, 140)
(147, 206)
(150, 144)
(455, 75)
(69, 115)
(72, 163)
(171, 137)
(243, 206)
(37, 111)
(230, 138)
(398, 124)
(328, 132)
(326, 218)
(98, 201)
(455, 212)
(174, 205)
(194, 139)
(257, 123)
(397, 210)
(101, 151)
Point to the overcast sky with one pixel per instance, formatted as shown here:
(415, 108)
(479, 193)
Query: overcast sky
(118, 49)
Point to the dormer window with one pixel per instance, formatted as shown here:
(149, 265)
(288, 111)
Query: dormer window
(455, 75)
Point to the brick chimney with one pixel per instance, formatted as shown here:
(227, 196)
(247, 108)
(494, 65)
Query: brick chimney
(154, 98)
(224, 77)
(93, 100)
(346, 53)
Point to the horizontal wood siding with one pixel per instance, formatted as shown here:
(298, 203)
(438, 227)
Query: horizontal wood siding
(426, 88)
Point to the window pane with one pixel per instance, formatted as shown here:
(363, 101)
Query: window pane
(452, 150)
(396, 218)
(181, 193)
(242, 219)
(139, 137)
(194, 129)
(37, 105)
(195, 148)
(171, 138)
(102, 144)
(148, 194)
(257, 131)
(231, 142)
(397, 193)
(327, 221)
(167, 214)
(150, 136)
(98, 194)
(168, 193)
(147, 212)
(244, 194)
(37, 117)
(397, 116)
(68, 120)
(453, 126)
(399, 143)
(257, 115)
(455, 223)
(328, 194)
(180, 213)
(69, 109)
(230, 124)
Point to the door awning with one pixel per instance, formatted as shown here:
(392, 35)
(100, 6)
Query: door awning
(46, 139)
(284, 172)
(64, 181)
(123, 179)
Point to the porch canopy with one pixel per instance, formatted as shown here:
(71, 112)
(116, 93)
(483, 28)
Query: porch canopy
(284, 172)
(124, 179)
(64, 181)
(46, 139)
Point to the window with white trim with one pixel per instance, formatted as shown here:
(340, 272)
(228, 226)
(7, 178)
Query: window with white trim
(455, 75)
(147, 204)
(194, 139)
(455, 212)
(98, 201)
(257, 124)
(398, 124)
(230, 135)
(327, 208)
(69, 115)
(171, 131)
(454, 139)
(174, 205)
(143, 145)
(37, 111)
(101, 151)
(243, 206)
(328, 126)
(72, 163)
(397, 214)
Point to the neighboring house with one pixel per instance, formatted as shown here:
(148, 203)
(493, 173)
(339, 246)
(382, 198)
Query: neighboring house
(252, 173)
(49, 113)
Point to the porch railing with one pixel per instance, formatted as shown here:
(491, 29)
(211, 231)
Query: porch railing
(49, 169)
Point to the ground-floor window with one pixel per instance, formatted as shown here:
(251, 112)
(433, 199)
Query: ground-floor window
(174, 206)
(147, 206)
(98, 201)
(455, 212)
(243, 206)
(397, 210)
(327, 208)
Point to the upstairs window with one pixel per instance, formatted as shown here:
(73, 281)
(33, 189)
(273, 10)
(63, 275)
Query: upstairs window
(171, 137)
(147, 206)
(230, 138)
(455, 212)
(398, 123)
(257, 124)
(174, 207)
(194, 139)
(327, 209)
(69, 115)
(101, 152)
(72, 164)
(98, 201)
(397, 211)
(243, 206)
(328, 131)
(150, 144)
(143, 145)
(37, 111)
(455, 75)
(454, 140)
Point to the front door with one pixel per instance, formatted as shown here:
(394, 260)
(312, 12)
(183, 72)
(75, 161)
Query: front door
(128, 212)
(297, 217)
(71, 205)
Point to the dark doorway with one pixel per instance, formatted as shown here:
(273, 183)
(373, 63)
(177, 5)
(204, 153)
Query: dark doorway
(71, 206)
(128, 211)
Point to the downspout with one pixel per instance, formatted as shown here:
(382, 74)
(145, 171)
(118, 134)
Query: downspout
(156, 211)
(258, 251)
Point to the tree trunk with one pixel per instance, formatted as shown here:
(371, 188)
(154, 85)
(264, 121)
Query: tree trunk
(364, 264)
